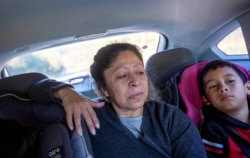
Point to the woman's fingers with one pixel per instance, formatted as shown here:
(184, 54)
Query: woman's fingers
(83, 108)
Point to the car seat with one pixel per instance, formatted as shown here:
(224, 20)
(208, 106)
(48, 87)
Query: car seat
(189, 90)
(175, 74)
(163, 69)
(50, 119)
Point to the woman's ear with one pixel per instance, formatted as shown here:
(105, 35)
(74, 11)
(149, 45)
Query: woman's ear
(247, 85)
(205, 100)
(104, 92)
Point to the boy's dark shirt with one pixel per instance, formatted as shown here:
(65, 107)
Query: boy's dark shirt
(224, 130)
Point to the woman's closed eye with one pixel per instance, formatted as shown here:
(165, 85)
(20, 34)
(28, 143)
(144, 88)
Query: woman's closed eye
(141, 72)
(122, 76)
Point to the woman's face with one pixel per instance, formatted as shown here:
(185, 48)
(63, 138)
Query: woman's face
(126, 85)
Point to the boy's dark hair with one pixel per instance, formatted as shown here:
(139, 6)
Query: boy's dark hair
(213, 65)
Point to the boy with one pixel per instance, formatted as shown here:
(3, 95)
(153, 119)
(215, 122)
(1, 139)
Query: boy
(226, 129)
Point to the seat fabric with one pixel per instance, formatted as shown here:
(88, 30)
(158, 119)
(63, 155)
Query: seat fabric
(55, 138)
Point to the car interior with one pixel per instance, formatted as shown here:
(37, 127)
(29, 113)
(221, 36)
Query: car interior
(58, 39)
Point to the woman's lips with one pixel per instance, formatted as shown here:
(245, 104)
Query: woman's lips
(136, 95)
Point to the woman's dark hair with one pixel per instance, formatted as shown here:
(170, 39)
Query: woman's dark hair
(213, 65)
(106, 56)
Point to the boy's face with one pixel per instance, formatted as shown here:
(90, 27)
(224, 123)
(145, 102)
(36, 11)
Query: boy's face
(225, 90)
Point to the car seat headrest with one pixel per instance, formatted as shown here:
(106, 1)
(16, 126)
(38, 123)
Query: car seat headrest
(189, 91)
(20, 89)
(163, 65)
(20, 105)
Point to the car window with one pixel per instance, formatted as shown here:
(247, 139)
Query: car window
(70, 63)
(233, 43)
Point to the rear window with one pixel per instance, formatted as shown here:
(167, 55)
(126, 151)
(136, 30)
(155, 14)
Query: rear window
(70, 63)
(59, 62)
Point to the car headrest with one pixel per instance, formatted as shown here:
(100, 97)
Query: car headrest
(22, 83)
(163, 65)
(189, 90)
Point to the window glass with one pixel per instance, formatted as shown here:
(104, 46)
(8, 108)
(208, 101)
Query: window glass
(234, 43)
(70, 63)
(75, 58)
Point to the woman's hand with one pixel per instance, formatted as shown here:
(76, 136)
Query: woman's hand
(75, 106)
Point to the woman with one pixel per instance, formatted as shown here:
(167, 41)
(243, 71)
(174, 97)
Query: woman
(130, 124)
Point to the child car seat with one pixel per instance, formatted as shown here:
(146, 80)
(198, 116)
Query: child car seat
(163, 69)
(175, 74)
(56, 137)
(189, 91)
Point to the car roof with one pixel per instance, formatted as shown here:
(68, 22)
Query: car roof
(26, 24)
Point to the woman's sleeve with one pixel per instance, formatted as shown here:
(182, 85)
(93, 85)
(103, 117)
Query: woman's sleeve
(42, 91)
(185, 137)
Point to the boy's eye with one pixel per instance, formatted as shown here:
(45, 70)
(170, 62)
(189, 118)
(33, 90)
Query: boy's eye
(212, 86)
(231, 81)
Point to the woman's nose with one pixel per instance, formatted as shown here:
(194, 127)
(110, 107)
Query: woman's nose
(134, 82)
